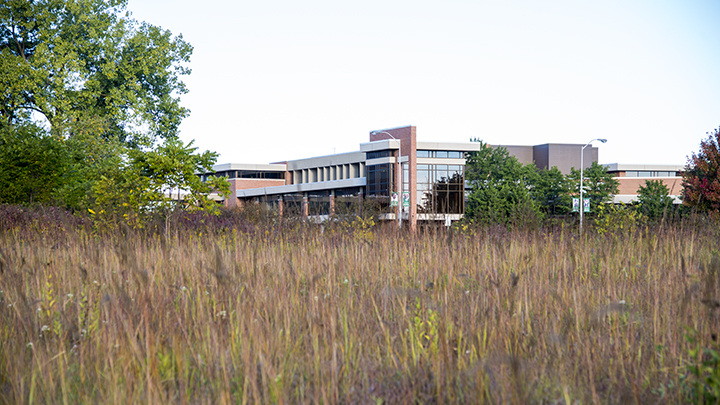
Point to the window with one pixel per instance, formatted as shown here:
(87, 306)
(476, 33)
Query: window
(379, 184)
(269, 202)
(319, 202)
(346, 200)
(253, 174)
(440, 189)
(292, 204)
(441, 172)
(441, 154)
(379, 154)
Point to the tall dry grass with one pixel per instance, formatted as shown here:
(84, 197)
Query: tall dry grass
(302, 316)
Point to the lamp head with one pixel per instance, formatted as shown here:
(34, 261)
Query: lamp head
(602, 140)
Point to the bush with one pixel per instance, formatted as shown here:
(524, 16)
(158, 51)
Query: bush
(617, 218)
(702, 380)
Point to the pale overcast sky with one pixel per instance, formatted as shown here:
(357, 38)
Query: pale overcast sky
(278, 80)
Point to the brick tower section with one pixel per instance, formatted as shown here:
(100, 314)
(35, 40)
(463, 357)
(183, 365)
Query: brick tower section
(408, 145)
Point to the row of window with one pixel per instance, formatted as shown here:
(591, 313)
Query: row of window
(329, 173)
(451, 154)
(318, 202)
(439, 201)
(430, 174)
(650, 173)
(247, 174)
(333, 173)
(378, 154)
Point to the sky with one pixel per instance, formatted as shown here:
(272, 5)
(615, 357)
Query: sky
(277, 80)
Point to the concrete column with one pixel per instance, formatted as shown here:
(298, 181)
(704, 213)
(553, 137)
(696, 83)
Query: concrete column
(304, 208)
(398, 184)
(231, 200)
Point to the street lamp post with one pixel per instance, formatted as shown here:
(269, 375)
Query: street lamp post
(399, 211)
(582, 168)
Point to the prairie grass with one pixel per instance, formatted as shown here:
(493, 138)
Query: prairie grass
(304, 316)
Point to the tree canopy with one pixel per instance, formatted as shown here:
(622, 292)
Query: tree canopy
(31, 165)
(90, 110)
(552, 191)
(599, 185)
(65, 65)
(505, 191)
(160, 180)
(501, 187)
(701, 178)
(654, 198)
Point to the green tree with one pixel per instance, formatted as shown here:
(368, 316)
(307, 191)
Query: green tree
(701, 178)
(70, 64)
(31, 165)
(654, 198)
(600, 186)
(101, 91)
(173, 168)
(90, 157)
(159, 181)
(501, 187)
(552, 192)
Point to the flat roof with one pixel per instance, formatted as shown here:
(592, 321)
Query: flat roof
(328, 160)
(459, 146)
(249, 166)
(382, 144)
(621, 167)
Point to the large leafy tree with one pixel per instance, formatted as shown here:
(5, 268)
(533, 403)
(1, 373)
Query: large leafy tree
(552, 191)
(65, 64)
(600, 186)
(31, 165)
(501, 187)
(90, 105)
(158, 181)
(654, 198)
(701, 178)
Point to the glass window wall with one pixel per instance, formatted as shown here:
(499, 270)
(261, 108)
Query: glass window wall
(380, 184)
(292, 204)
(319, 202)
(452, 154)
(440, 189)
(378, 154)
(648, 173)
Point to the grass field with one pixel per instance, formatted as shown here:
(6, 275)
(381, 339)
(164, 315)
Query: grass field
(304, 316)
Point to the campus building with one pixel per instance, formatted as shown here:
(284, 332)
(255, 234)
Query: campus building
(420, 181)
(632, 176)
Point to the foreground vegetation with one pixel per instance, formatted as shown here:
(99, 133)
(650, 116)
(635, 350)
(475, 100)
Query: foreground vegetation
(261, 314)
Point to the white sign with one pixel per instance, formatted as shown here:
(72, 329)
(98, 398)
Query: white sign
(394, 200)
(406, 199)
